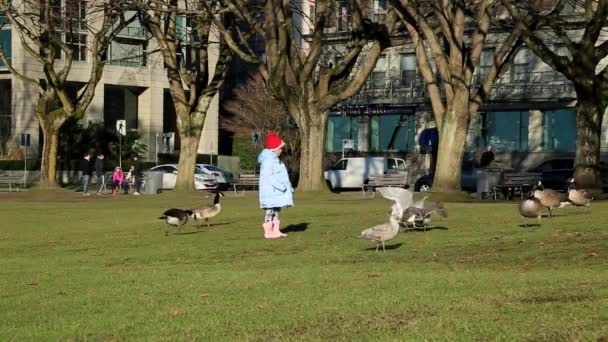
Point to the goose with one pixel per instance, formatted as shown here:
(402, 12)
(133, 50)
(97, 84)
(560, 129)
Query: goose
(531, 208)
(579, 197)
(548, 198)
(176, 217)
(208, 211)
(419, 216)
(386, 231)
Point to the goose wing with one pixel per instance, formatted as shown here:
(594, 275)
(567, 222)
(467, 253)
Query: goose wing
(402, 197)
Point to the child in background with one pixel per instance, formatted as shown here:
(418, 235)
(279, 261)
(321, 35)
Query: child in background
(118, 177)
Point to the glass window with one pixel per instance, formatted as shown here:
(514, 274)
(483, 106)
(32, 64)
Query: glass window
(393, 133)
(409, 70)
(78, 43)
(505, 131)
(343, 16)
(379, 73)
(485, 62)
(341, 165)
(519, 70)
(128, 52)
(559, 130)
(7, 47)
(339, 128)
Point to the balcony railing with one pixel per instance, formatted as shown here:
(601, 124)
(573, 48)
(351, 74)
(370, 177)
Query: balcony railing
(534, 86)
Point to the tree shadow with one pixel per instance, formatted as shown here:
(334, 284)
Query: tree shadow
(531, 225)
(204, 225)
(294, 228)
(388, 247)
(422, 230)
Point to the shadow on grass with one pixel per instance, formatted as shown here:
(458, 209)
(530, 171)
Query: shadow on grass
(388, 247)
(530, 225)
(204, 225)
(422, 230)
(294, 228)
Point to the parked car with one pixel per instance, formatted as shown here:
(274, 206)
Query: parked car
(468, 179)
(201, 181)
(222, 177)
(353, 172)
(556, 172)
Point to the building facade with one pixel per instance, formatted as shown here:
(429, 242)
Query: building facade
(528, 117)
(133, 87)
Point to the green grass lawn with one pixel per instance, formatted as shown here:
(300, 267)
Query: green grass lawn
(101, 269)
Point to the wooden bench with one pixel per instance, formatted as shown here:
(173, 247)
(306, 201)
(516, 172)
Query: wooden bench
(247, 181)
(11, 180)
(513, 182)
(373, 182)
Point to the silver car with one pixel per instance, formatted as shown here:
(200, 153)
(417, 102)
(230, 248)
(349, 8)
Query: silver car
(222, 177)
(201, 181)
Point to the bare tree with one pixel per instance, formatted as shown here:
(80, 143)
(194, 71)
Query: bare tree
(584, 36)
(196, 60)
(44, 29)
(254, 109)
(302, 78)
(449, 37)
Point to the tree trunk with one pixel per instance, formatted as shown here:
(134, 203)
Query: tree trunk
(589, 115)
(187, 161)
(312, 152)
(48, 165)
(452, 138)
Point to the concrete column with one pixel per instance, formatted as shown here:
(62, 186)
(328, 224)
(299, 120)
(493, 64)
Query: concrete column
(94, 112)
(150, 119)
(535, 131)
(604, 137)
(363, 133)
(24, 99)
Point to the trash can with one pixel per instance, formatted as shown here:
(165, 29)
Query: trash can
(154, 181)
(487, 179)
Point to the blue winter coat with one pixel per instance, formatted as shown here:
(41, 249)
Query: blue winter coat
(275, 188)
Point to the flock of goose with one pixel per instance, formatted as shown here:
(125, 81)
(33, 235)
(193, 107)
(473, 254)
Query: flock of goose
(540, 199)
(179, 217)
(406, 213)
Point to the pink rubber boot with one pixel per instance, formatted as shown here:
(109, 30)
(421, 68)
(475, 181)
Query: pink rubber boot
(275, 228)
(269, 232)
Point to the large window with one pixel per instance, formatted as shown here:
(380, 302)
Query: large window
(505, 131)
(409, 70)
(520, 70)
(338, 129)
(485, 63)
(393, 133)
(343, 16)
(5, 39)
(129, 47)
(379, 73)
(559, 130)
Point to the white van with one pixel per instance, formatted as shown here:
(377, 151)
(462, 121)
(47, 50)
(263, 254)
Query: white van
(354, 172)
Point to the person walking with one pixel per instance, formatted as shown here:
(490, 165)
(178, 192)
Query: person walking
(85, 168)
(137, 173)
(275, 188)
(101, 181)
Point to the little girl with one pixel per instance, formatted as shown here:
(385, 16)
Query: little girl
(275, 187)
(117, 178)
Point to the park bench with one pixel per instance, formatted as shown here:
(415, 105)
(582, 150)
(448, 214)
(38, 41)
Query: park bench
(246, 181)
(12, 181)
(512, 183)
(373, 182)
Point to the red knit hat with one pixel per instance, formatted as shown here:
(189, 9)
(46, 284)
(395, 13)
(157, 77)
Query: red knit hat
(273, 142)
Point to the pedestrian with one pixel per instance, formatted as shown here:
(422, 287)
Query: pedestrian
(118, 177)
(137, 174)
(275, 187)
(487, 157)
(85, 168)
(101, 181)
